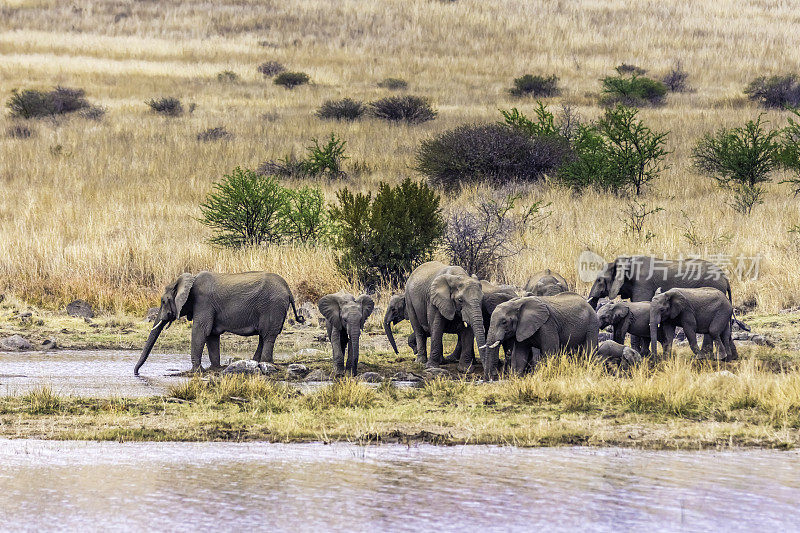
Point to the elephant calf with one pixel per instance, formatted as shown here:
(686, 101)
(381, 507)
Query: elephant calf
(704, 310)
(546, 283)
(346, 316)
(619, 355)
(629, 317)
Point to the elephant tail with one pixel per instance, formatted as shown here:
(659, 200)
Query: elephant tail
(299, 318)
(735, 320)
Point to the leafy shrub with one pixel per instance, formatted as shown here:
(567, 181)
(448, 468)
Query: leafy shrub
(19, 131)
(290, 80)
(538, 86)
(482, 236)
(411, 109)
(393, 84)
(227, 76)
(790, 152)
(619, 153)
(741, 160)
(775, 91)
(325, 158)
(32, 103)
(93, 112)
(676, 79)
(345, 109)
(215, 134)
(271, 68)
(305, 218)
(634, 91)
(384, 238)
(624, 69)
(488, 152)
(168, 106)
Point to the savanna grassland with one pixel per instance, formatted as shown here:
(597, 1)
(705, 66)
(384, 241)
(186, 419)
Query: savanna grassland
(108, 211)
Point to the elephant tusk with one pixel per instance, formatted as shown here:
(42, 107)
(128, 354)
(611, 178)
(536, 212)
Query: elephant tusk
(495, 345)
(482, 347)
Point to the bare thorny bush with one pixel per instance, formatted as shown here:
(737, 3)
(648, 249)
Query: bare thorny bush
(482, 236)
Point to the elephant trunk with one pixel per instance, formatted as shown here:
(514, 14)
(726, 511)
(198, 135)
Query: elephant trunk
(148, 346)
(476, 323)
(387, 327)
(655, 320)
(354, 332)
(492, 358)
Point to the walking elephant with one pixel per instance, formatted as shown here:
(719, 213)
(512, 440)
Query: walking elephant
(439, 299)
(396, 313)
(629, 317)
(346, 316)
(704, 310)
(247, 303)
(546, 283)
(550, 323)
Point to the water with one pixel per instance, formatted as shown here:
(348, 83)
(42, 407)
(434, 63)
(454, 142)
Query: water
(312, 487)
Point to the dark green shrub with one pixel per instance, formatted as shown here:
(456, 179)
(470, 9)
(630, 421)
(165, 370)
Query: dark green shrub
(741, 160)
(790, 151)
(538, 86)
(384, 238)
(227, 76)
(245, 209)
(624, 69)
(775, 91)
(305, 218)
(491, 153)
(271, 68)
(633, 91)
(393, 84)
(32, 103)
(290, 80)
(411, 109)
(325, 158)
(345, 109)
(168, 106)
(618, 153)
(214, 134)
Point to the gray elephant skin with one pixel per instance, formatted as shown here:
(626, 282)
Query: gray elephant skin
(396, 313)
(704, 310)
(618, 355)
(638, 277)
(550, 323)
(629, 317)
(246, 304)
(439, 299)
(346, 316)
(546, 283)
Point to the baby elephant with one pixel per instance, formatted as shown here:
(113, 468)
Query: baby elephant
(629, 317)
(704, 310)
(614, 353)
(346, 316)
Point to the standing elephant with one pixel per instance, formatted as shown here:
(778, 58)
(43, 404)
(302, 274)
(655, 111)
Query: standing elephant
(704, 310)
(247, 303)
(629, 317)
(396, 313)
(550, 323)
(637, 278)
(346, 316)
(546, 283)
(494, 295)
(439, 299)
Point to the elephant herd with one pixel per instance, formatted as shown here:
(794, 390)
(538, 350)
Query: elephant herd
(542, 319)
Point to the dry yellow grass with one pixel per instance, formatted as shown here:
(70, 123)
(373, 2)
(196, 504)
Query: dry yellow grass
(111, 215)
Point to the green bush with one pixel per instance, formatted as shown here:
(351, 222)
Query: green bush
(325, 158)
(538, 86)
(790, 151)
(741, 160)
(619, 154)
(344, 109)
(227, 76)
(410, 109)
(32, 103)
(384, 238)
(290, 80)
(633, 91)
(249, 209)
(168, 106)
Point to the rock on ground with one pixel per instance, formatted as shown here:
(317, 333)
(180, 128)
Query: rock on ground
(296, 371)
(433, 373)
(80, 308)
(49, 344)
(318, 375)
(309, 352)
(245, 366)
(268, 369)
(406, 376)
(371, 377)
(15, 343)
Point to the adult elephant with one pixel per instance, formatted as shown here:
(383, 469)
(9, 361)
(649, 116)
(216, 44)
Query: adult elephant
(247, 303)
(638, 277)
(396, 313)
(441, 298)
(546, 283)
(550, 323)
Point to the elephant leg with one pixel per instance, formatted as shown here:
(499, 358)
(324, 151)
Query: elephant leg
(437, 348)
(198, 342)
(508, 349)
(730, 347)
(519, 358)
(212, 342)
(669, 337)
(257, 354)
(644, 343)
(455, 356)
(467, 338)
(412, 343)
(708, 345)
(267, 349)
(535, 357)
(350, 365)
(691, 336)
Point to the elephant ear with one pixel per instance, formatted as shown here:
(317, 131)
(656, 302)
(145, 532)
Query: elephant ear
(367, 306)
(329, 307)
(677, 303)
(532, 316)
(620, 271)
(183, 287)
(619, 313)
(440, 295)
